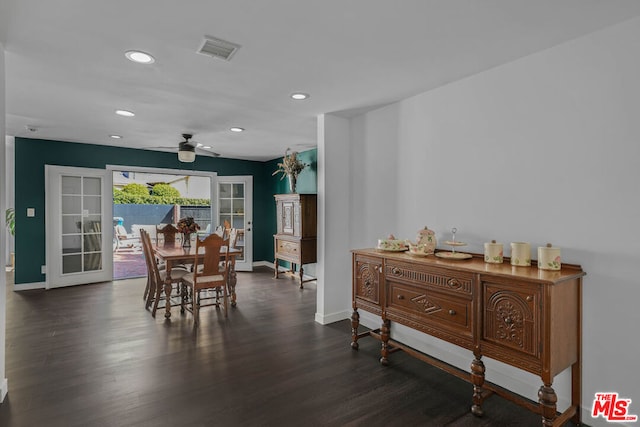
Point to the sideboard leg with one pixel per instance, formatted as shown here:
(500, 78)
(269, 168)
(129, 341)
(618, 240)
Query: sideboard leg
(355, 322)
(275, 268)
(301, 276)
(384, 335)
(477, 378)
(547, 399)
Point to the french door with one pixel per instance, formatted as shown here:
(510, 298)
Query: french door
(78, 227)
(235, 206)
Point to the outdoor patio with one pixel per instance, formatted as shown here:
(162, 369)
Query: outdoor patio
(128, 265)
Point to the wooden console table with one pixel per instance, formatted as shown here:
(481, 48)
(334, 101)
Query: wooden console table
(522, 316)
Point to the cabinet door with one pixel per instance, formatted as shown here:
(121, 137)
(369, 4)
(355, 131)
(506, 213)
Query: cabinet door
(287, 218)
(367, 276)
(512, 316)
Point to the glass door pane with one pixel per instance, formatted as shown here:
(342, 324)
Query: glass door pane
(81, 218)
(231, 209)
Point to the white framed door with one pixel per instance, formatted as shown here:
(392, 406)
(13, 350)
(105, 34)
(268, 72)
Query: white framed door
(78, 226)
(235, 205)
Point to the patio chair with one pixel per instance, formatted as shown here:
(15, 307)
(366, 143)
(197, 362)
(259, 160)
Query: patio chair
(125, 241)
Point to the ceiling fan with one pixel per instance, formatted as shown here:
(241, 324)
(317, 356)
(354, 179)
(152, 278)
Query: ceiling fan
(187, 149)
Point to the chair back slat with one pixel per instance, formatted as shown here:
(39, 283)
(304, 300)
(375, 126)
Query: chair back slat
(213, 248)
(168, 232)
(149, 256)
(233, 237)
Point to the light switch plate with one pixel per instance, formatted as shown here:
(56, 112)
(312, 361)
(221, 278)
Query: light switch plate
(31, 212)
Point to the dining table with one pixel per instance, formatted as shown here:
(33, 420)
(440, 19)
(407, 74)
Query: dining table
(176, 254)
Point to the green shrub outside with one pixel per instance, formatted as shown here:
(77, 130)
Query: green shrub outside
(121, 197)
(136, 189)
(164, 190)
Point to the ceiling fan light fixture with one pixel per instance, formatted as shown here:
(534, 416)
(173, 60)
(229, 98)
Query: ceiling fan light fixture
(186, 152)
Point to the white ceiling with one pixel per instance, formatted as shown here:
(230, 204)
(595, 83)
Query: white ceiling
(66, 72)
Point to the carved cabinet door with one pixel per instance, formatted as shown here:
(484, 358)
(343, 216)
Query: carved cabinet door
(511, 317)
(367, 277)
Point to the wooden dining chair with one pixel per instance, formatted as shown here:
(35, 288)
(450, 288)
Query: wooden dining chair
(233, 244)
(210, 273)
(156, 278)
(168, 233)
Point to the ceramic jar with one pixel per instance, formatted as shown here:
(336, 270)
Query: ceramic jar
(520, 254)
(493, 252)
(426, 238)
(549, 258)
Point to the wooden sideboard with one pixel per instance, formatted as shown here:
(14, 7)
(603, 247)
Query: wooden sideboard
(296, 236)
(522, 316)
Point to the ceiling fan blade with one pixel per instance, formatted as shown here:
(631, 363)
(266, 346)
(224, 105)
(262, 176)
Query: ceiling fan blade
(188, 141)
(207, 152)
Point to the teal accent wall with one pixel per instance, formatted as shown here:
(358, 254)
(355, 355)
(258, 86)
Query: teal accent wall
(31, 156)
(307, 184)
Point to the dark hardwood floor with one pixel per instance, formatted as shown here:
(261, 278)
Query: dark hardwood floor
(93, 356)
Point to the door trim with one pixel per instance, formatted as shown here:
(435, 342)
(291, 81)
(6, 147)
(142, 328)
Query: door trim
(213, 187)
(51, 240)
(247, 263)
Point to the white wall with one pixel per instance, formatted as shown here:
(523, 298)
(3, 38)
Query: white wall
(544, 149)
(333, 267)
(3, 234)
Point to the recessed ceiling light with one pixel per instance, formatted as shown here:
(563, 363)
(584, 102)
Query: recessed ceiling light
(206, 147)
(298, 96)
(139, 57)
(236, 129)
(115, 136)
(125, 113)
(198, 145)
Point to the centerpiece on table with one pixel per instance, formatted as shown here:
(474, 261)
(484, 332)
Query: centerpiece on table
(291, 167)
(186, 226)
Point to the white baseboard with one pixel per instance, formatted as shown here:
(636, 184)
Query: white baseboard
(29, 286)
(4, 389)
(332, 318)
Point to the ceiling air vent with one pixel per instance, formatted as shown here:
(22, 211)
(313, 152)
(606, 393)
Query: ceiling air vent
(218, 48)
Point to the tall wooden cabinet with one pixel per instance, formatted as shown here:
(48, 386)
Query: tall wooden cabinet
(296, 236)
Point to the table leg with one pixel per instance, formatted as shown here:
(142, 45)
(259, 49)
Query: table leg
(167, 292)
(384, 338)
(232, 280)
(547, 399)
(355, 322)
(477, 378)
